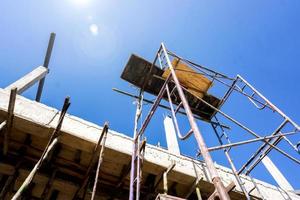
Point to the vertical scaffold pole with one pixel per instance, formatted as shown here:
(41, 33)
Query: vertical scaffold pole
(220, 188)
(135, 147)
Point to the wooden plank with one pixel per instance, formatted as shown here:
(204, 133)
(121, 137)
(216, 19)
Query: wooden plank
(195, 83)
(29, 79)
(10, 115)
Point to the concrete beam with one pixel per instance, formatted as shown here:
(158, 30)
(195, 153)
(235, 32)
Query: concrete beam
(29, 79)
(40, 120)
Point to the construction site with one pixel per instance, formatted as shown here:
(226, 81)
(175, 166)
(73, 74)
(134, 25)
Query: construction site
(47, 153)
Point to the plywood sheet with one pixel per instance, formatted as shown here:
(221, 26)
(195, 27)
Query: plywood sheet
(196, 83)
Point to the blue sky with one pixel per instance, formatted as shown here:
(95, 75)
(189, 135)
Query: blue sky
(257, 39)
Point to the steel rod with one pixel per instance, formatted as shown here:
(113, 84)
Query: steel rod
(153, 108)
(251, 132)
(174, 119)
(259, 150)
(220, 188)
(224, 146)
(232, 166)
(92, 162)
(2, 125)
(138, 170)
(134, 145)
(270, 103)
(193, 187)
(166, 107)
(29, 178)
(197, 65)
(160, 178)
(51, 144)
(100, 160)
(46, 64)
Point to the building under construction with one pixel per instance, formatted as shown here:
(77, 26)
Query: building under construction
(49, 154)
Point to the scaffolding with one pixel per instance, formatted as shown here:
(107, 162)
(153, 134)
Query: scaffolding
(162, 79)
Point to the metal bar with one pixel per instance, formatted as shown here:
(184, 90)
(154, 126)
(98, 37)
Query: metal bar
(193, 187)
(175, 119)
(151, 68)
(224, 146)
(29, 178)
(241, 92)
(99, 164)
(166, 107)
(201, 143)
(198, 193)
(2, 125)
(289, 142)
(126, 168)
(140, 159)
(232, 166)
(134, 145)
(256, 186)
(198, 66)
(178, 107)
(162, 175)
(270, 103)
(51, 144)
(263, 155)
(153, 108)
(250, 131)
(92, 162)
(46, 64)
(215, 194)
(165, 183)
(227, 94)
(258, 151)
(9, 121)
(142, 154)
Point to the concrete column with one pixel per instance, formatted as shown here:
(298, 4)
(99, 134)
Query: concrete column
(171, 136)
(277, 175)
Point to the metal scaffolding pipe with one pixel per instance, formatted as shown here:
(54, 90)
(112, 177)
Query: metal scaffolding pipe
(100, 159)
(233, 144)
(168, 108)
(220, 188)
